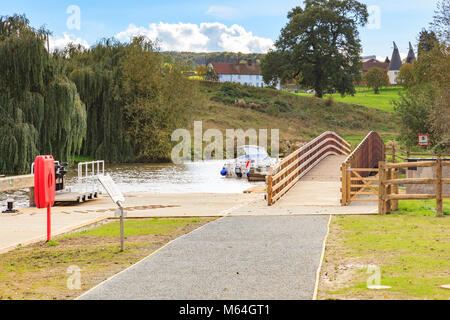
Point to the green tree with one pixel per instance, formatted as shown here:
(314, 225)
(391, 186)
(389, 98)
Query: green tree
(320, 42)
(376, 78)
(40, 109)
(427, 41)
(441, 21)
(157, 101)
(134, 99)
(211, 74)
(425, 107)
(201, 71)
(407, 75)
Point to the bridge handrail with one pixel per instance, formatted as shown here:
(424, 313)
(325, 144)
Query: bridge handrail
(367, 154)
(284, 176)
(360, 158)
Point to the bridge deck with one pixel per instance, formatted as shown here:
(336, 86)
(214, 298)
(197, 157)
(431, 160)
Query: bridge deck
(321, 186)
(318, 192)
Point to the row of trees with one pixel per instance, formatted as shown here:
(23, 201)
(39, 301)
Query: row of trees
(115, 101)
(192, 60)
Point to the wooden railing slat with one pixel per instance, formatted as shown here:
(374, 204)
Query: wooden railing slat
(284, 176)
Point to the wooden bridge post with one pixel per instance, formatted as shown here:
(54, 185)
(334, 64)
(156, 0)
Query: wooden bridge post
(388, 203)
(344, 184)
(394, 203)
(438, 171)
(381, 188)
(269, 189)
(393, 152)
(349, 183)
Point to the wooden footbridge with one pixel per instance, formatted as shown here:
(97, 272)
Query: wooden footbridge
(325, 172)
(325, 177)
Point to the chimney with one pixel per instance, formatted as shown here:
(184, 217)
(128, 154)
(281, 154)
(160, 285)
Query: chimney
(249, 62)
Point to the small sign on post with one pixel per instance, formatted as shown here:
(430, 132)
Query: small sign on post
(118, 198)
(423, 140)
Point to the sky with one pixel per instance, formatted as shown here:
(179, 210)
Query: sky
(211, 25)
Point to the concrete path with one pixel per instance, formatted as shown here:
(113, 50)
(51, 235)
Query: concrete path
(30, 224)
(318, 192)
(230, 258)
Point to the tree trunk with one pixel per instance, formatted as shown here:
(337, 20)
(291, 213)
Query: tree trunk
(319, 93)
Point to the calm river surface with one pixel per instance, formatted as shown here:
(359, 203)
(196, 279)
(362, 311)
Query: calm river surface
(193, 177)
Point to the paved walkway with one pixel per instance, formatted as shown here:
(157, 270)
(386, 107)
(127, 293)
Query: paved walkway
(318, 192)
(29, 225)
(230, 258)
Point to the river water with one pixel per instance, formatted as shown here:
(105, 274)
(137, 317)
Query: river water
(193, 177)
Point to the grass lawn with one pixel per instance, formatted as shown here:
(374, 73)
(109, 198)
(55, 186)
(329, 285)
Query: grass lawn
(40, 271)
(411, 248)
(298, 118)
(366, 97)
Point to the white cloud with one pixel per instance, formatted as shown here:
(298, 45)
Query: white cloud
(223, 12)
(61, 42)
(206, 37)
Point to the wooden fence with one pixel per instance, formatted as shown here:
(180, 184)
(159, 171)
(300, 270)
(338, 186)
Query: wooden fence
(360, 170)
(388, 184)
(292, 168)
(395, 154)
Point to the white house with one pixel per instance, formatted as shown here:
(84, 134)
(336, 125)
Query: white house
(396, 63)
(246, 74)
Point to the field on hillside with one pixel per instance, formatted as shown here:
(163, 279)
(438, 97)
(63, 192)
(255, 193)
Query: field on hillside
(366, 97)
(299, 118)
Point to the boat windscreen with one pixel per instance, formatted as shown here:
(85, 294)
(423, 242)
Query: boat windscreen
(253, 151)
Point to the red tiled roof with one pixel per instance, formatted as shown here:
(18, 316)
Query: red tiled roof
(372, 64)
(234, 68)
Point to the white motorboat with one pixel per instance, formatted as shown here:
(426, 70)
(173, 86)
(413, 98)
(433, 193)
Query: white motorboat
(252, 161)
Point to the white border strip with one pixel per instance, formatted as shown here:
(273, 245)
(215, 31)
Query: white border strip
(316, 286)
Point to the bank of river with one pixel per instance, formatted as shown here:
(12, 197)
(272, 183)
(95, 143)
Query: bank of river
(194, 177)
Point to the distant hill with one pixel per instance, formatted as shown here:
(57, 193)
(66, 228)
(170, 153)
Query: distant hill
(205, 58)
(299, 118)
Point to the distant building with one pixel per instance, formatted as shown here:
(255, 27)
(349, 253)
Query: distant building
(411, 55)
(244, 73)
(368, 58)
(374, 63)
(394, 65)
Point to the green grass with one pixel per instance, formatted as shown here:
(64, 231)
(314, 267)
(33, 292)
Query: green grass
(299, 118)
(40, 271)
(77, 159)
(366, 97)
(421, 207)
(153, 226)
(410, 247)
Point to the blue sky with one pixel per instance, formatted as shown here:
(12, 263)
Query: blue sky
(211, 25)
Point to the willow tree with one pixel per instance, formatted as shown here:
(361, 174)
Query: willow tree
(134, 100)
(157, 100)
(40, 109)
(96, 72)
